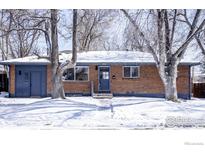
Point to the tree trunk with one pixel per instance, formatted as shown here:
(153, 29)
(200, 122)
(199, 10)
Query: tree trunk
(74, 42)
(170, 84)
(171, 89)
(58, 90)
(57, 85)
(57, 69)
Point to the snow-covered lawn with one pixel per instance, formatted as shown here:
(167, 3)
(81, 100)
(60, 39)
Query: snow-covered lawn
(89, 113)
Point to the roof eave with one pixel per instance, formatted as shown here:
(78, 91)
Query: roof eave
(135, 63)
(24, 63)
(96, 63)
(190, 63)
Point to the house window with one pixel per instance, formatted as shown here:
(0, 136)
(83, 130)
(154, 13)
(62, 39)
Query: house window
(131, 71)
(104, 75)
(79, 73)
(126, 72)
(68, 74)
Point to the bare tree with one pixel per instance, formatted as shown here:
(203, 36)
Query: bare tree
(92, 26)
(26, 27)
(93, 31)
(57, 68)
(18, 41)
(56, 79)
(166, 40)
(200, 37)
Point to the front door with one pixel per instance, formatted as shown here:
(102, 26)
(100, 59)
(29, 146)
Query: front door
(35, 83)
(104, 78)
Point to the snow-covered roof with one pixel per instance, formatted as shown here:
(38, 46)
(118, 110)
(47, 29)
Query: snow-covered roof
(98, 57)
(27, 60)
(117, 57)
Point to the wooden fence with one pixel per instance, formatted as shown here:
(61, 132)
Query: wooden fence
(198, 90)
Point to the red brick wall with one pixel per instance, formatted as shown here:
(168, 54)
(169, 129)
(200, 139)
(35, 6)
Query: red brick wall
(148, 82)
(76, 87)
(183, 79)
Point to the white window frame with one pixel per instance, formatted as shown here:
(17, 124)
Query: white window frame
(131, 77)
(75, 75)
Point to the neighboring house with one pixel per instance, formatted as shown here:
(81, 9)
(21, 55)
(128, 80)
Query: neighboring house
(122, 73)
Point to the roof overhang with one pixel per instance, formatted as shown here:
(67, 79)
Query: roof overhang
(95, 63)
(190, 63)
(133, 63)
(23, 63)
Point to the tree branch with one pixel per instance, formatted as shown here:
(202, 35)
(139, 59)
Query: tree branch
(141, 34)
(197, 39)
(182, 48)
(173, 28)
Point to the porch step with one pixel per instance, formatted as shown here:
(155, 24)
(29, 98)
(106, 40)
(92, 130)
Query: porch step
(102, 95)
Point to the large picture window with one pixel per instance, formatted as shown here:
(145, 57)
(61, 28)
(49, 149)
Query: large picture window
(68, 74)
(130, 71)
(79, 73)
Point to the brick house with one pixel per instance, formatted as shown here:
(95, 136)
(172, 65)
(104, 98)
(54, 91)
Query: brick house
(121, 73)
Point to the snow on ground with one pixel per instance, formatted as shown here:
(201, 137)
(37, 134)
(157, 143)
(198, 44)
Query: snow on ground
(89, 113)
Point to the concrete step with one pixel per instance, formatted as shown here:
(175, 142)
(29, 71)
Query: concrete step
(102, 95)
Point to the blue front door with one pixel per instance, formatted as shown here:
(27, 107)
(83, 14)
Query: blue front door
(104, 78)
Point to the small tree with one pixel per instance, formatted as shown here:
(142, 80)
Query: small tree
(15, 40)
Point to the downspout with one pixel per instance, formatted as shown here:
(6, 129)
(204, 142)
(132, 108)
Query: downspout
(190, 82)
